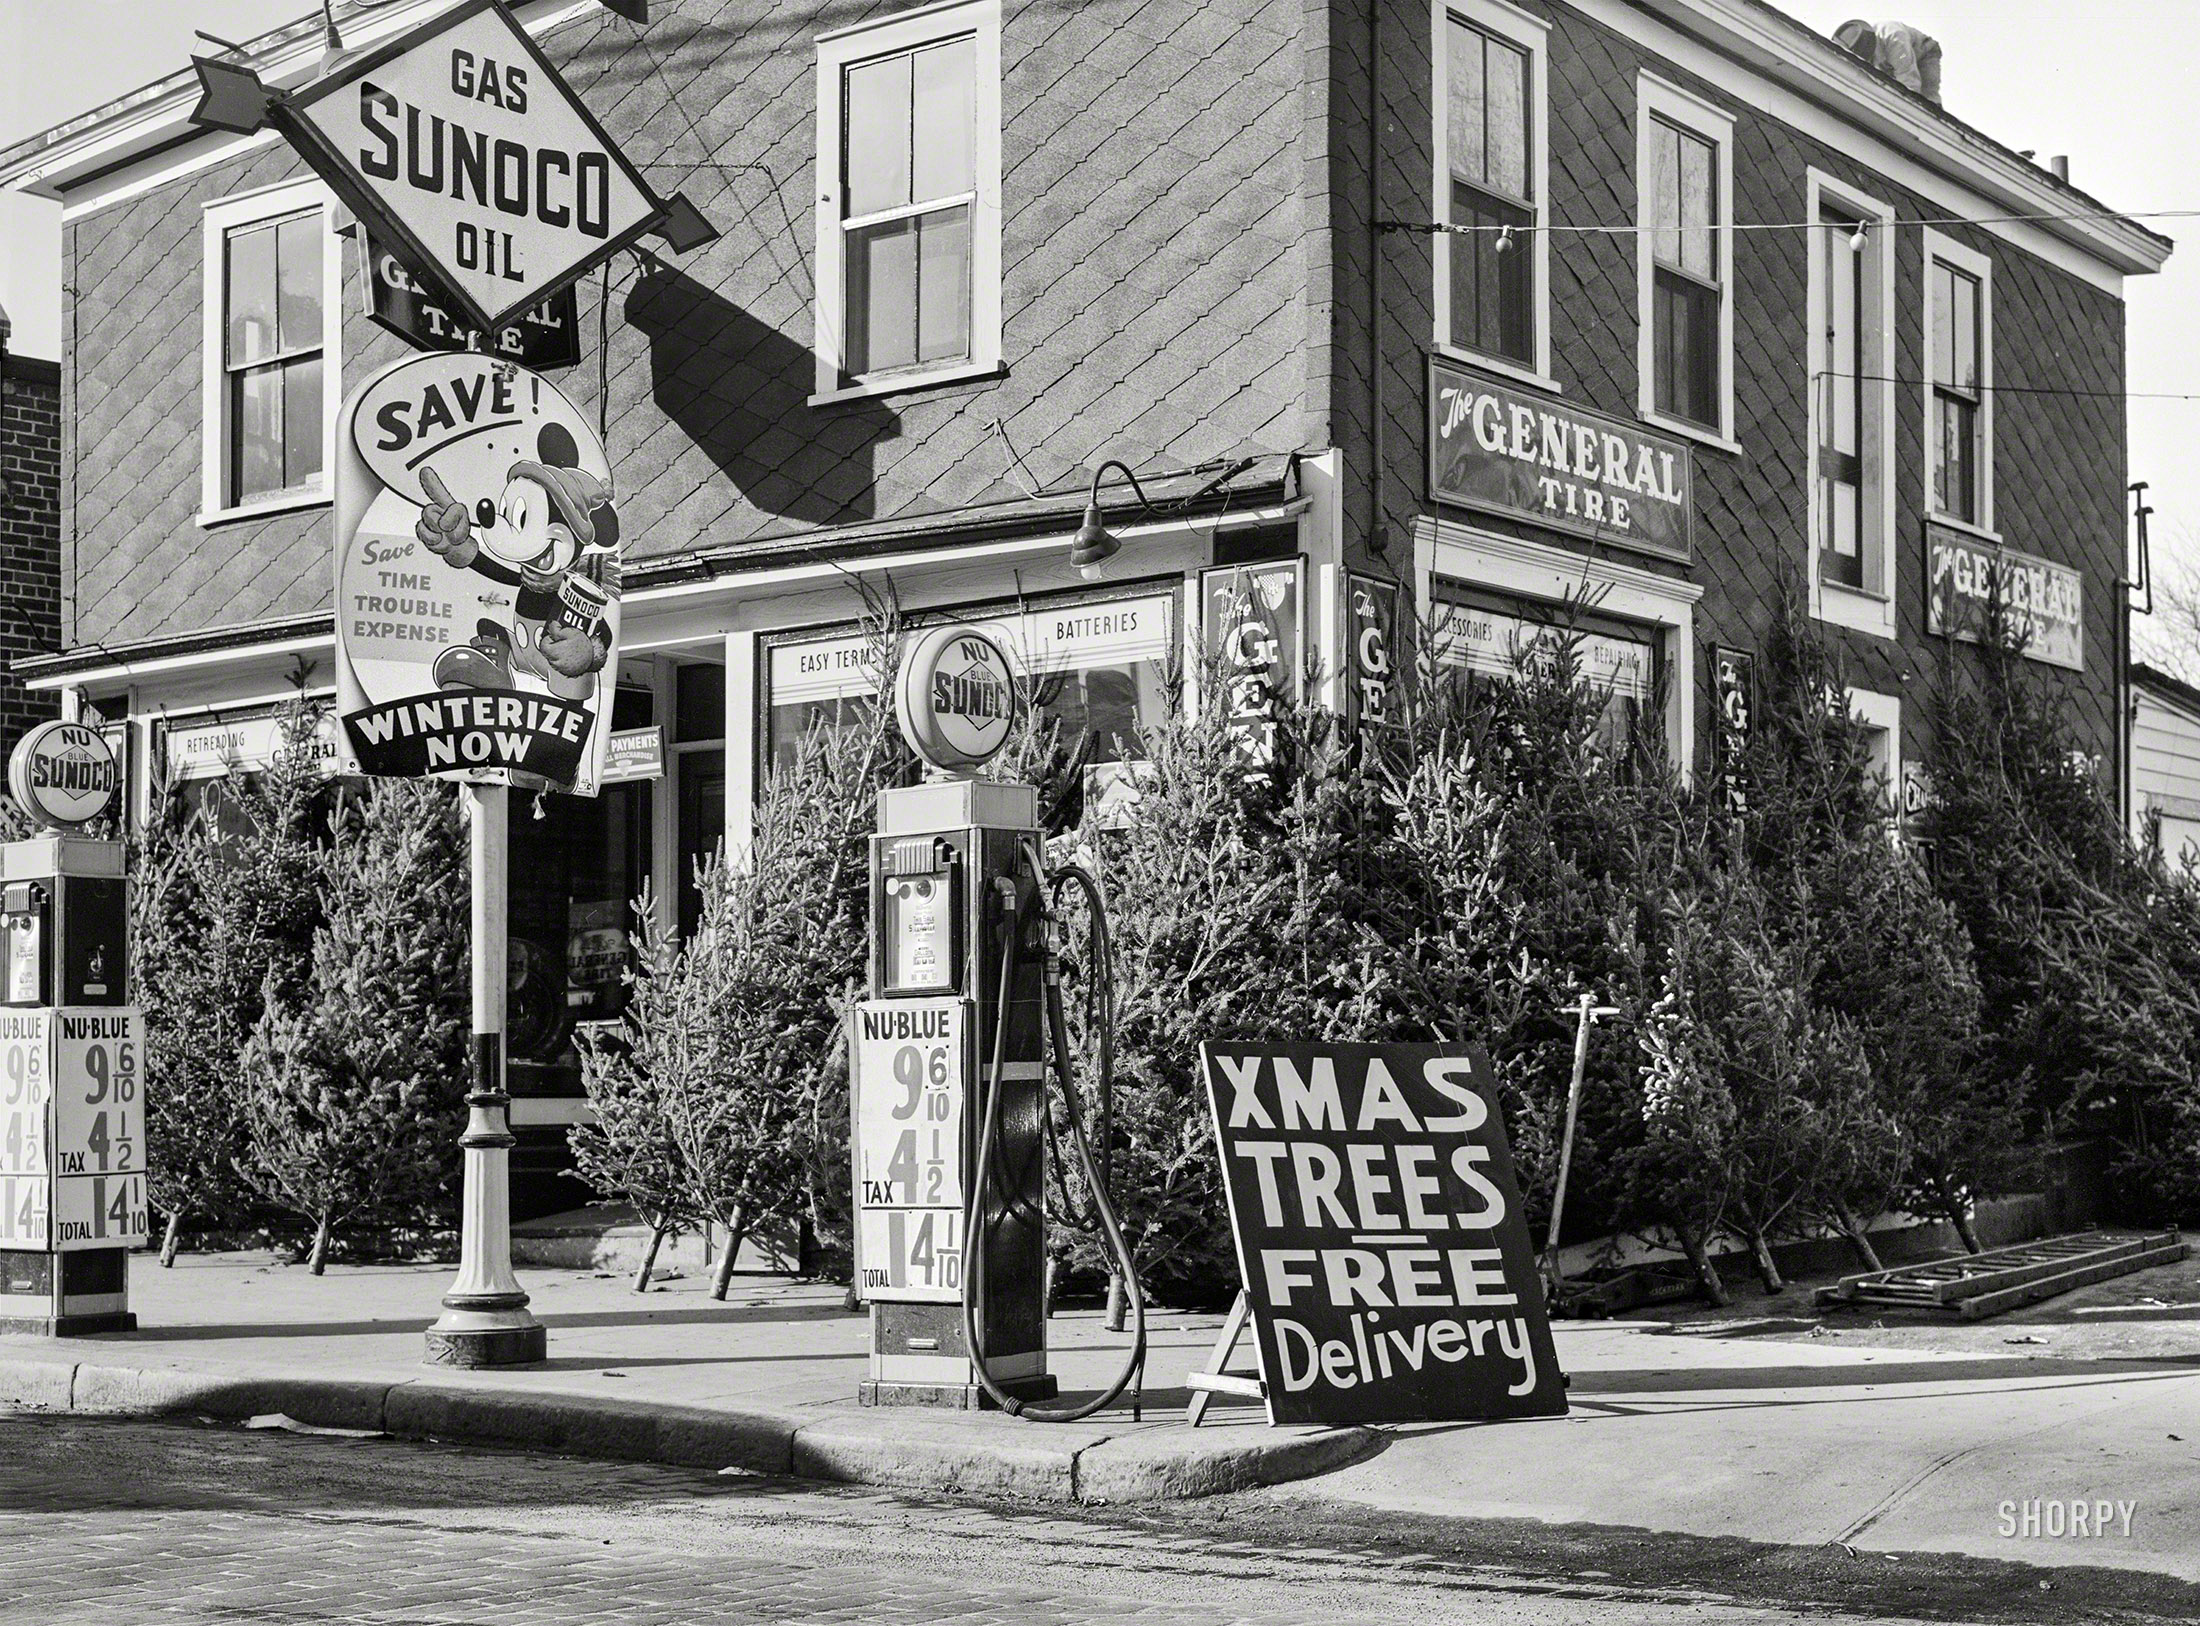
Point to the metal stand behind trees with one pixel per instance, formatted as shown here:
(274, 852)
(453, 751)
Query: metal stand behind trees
(485, 1320)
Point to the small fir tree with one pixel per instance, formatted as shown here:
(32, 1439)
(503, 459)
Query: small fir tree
(354, 1087)
(223, 906)
(627, 1150)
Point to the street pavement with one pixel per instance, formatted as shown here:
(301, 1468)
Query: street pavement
(1833, 1448)
(109, 1522)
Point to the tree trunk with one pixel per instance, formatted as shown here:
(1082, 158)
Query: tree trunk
(1706, 1272)
(317, 1261)
(736, 1231)
(1853, 1229)
(1761, 1252)
(170, 1237)
(649, 1259)
(1962, 1217)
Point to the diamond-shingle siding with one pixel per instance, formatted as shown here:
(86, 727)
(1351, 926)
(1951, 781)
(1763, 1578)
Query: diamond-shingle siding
(2059, 459)
(1157, 253)
(1185, 266)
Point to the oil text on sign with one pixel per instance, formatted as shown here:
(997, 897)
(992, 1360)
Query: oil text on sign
(458, 143)
(1380, 1235)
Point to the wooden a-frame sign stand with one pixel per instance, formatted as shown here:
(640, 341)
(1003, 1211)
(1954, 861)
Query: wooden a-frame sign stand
(1218, 1379)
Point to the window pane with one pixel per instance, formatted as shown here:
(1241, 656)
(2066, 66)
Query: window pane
(255, 433)
(1943, 346)
(302, 421)
(1957, 492)
(702, 820)
(1468, 155)
(1508, 119)
(882, 296)
(1664, 182)
(945, 121)
(1964, 319)
(699, 702)
(1492, 292)
(1684, 348)
(1699, 205)
(250, 296)
(876, 105)
(943, 285)
(298, 282)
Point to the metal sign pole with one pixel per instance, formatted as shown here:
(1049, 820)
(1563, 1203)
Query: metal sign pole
(485, 1320)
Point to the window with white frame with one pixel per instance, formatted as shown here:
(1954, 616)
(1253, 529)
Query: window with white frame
(909, 189)
(1851, 361)
(1685, 165)
(1879, 719)
(1959, 382)
(274, 279)
(1492, 280)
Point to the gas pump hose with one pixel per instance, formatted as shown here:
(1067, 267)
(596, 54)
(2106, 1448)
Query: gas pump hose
(976, 1221)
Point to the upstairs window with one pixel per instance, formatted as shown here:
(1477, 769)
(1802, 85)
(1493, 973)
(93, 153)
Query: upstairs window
(1852, 406)
(1958, 396)
(1491, 113)
(271, 305)
(909, 229)
(1686, 260)
(272, 317)
(906, 209)
(1685, 289)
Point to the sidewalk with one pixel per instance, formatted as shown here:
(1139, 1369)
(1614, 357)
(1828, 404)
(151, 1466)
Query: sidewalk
(1792, 1440)
(765, 1381)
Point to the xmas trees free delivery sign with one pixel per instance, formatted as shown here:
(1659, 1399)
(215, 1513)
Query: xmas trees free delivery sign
(1385, 1256)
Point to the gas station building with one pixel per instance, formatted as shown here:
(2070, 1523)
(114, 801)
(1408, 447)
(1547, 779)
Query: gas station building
(971, 252)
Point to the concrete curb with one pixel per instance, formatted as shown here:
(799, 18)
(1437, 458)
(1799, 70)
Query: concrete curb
(990, 1458)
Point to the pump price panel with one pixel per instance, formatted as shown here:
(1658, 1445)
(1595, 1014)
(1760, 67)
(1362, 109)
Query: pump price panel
(908, 1075)
(25, 1089)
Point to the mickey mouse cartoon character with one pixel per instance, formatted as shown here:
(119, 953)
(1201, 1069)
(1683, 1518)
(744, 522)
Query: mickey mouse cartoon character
(550, 535)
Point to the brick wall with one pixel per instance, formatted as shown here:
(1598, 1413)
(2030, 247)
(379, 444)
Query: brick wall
(2059, 460)
(30, 534)
(1164, 284)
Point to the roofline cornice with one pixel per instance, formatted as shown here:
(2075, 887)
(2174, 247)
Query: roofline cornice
(1765, 41)
(1753, 35)
(156, 118)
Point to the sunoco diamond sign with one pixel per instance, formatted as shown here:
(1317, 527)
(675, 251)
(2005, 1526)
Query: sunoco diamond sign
(461, 144)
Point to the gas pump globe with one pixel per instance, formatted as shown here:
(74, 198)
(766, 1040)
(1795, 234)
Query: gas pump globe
(953, 1016)
(72, 1102)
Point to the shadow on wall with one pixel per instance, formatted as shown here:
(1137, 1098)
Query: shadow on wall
(740, 390)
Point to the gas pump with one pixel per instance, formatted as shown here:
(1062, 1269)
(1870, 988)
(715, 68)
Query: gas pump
(950, 1060)
(72, 1110)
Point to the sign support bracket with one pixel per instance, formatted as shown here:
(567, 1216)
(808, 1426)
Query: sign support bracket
(1218, 1379)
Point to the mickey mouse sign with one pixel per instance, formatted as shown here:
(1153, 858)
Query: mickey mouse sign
(477, 578)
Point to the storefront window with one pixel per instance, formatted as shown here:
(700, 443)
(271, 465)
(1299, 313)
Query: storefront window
(575, 872)
(1100, 671)
(1500, 639)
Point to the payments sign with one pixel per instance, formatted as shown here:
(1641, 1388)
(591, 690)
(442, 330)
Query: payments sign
(460, 146)
(1379, 1231)
(907, 1076)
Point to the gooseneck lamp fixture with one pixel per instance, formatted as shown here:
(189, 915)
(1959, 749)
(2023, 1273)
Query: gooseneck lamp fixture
(1094, 544)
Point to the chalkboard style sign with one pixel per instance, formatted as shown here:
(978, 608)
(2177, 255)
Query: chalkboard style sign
(1385, 1256)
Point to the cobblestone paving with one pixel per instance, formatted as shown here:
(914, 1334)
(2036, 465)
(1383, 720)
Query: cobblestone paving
(116, 1523)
